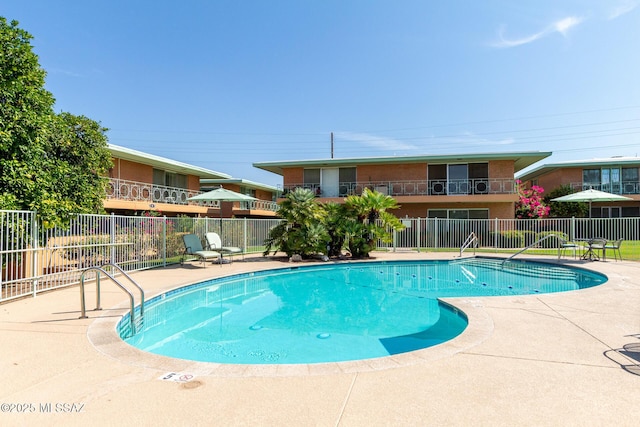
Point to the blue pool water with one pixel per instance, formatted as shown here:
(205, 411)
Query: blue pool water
(334, 312)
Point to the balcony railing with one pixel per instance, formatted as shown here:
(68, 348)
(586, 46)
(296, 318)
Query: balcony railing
(433, 187)
(624, 187)
(259, 205)
(121, 189)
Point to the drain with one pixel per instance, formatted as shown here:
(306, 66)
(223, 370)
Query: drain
(191, 385)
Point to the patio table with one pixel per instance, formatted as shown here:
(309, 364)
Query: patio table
(592, 243)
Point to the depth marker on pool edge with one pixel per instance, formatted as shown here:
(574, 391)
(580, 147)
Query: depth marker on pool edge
(177, 377)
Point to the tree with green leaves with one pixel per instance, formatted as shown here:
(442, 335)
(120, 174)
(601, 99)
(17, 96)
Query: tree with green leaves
(301, 231)
(311, 228)
(565, 209)
(52, 163)
(336, 223)
(371, 220)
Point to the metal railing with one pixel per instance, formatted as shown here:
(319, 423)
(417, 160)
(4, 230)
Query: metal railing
(122, 189)
(472, 239)
(259, 205)
(36, 259)
(534, 244)
(134, 326)
(433, 187)
(624, 187)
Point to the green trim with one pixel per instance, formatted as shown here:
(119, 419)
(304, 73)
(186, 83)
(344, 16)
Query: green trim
(521, 160)
(550, 167)
(204, 183)
(163, 163)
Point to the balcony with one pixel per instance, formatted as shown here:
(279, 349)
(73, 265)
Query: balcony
(121, 189)
(133, 191)
(624, 187)
(435, 187)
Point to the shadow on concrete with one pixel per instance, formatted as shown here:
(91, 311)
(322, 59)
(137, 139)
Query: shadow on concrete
(628, 357)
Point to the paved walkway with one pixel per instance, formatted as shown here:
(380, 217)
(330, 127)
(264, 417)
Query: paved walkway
(557, 359)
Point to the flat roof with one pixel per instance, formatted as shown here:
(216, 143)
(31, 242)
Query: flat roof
(162, 162)
(550, 167)
(521, 160)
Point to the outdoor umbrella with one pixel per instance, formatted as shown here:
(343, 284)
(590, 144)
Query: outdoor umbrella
(221, 195)
(590, 196)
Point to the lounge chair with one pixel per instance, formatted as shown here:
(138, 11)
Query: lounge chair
(615, 247)
(193, 246)
(564, 245)
(215, 243)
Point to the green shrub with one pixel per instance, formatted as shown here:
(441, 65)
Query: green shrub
(508, 239)
(550, 243)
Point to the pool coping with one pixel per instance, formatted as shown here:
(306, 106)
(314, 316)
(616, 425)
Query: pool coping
(103, 335)
(536, 360)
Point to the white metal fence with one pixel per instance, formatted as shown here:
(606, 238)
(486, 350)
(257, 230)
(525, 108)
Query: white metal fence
(510, 234)
(36, 259)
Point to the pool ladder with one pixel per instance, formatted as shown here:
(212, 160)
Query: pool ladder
(530, 246)
(472, 239)
(135, 325)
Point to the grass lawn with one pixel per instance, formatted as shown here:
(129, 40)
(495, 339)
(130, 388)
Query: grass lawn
(630, 251)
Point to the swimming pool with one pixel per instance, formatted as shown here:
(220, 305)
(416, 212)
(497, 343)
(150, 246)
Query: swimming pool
(334, 312)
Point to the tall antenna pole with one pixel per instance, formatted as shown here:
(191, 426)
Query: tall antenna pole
(332, 145)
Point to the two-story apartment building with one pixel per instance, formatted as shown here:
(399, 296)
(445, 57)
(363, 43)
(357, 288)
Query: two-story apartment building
(617, 175)
(140, 182)
(444, 186)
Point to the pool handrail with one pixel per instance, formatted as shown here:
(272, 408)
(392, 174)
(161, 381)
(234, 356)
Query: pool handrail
(471, 238)
(133, 282)
(100, 270)
(530, 246)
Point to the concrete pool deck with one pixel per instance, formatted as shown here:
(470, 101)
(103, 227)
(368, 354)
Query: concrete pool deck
(569, 358)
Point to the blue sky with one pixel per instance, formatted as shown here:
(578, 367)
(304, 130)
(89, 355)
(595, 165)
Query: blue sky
(224, 84)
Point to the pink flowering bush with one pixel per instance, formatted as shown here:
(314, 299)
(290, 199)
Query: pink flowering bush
(530, 204)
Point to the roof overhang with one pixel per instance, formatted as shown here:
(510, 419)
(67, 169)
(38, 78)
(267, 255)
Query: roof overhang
(521, 160)
(238, 181)
(163, 163)
(550, 167)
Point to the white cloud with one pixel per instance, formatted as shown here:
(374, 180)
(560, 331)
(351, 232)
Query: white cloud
(624, 7)
(566, 24)
(562, 26)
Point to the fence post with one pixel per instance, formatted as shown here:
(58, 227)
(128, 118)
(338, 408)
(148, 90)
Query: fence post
(573, 228)
(34, 253)
(435, 232)
(112, 234)
(419, 226)
(244, 235)
(164, 240)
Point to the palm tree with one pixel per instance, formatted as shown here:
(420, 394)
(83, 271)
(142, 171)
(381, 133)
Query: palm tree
(301, 231)
(336, 221)
(371, 220)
